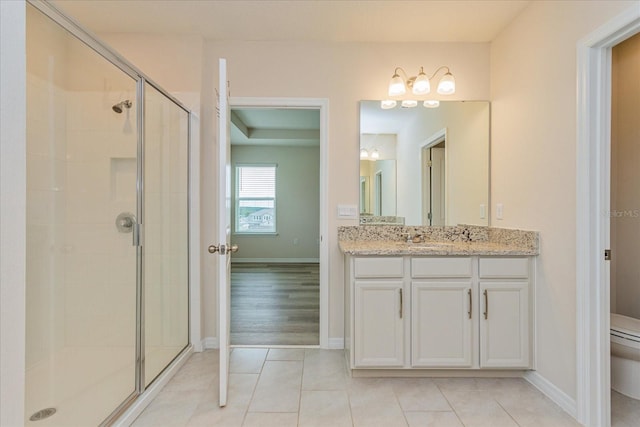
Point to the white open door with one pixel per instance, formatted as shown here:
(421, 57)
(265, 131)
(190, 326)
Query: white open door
(224, 249)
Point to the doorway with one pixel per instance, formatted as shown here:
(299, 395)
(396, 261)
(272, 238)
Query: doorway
(593, 228)
(276, 286)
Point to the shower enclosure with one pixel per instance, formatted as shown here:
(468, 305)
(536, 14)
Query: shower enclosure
(107, 227)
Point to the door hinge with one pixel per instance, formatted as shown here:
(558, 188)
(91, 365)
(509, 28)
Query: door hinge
(429, 163)
(429, 216)
(607, 254)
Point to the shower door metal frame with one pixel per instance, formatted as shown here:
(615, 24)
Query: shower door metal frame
(92, 42)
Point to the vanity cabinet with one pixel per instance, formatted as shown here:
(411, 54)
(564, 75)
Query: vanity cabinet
(504, 321)
(378, 312)
(439, 312)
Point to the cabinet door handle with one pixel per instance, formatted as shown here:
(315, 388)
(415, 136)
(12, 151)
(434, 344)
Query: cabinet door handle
(486, 304)
(401, 303)
(470, 303)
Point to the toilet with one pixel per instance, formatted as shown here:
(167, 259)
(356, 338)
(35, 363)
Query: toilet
(625, 355)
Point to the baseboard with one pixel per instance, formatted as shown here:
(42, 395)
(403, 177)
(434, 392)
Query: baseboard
(139, 405)
(275, 260)
(336, 343)
(552, 392)
(210, 343)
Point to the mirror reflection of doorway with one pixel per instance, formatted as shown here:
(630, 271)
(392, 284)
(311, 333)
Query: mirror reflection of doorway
(378, 193)
(433, 157)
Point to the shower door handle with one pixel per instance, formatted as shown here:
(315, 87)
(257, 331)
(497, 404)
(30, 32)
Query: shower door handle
(125, 222)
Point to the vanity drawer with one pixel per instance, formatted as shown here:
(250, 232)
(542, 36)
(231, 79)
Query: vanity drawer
(378, 267)
(504, 267)
(441, 267)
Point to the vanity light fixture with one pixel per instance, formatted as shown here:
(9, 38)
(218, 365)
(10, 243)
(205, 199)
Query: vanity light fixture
(419, 85)
(375, 154)
(364, 154)
(431, 103)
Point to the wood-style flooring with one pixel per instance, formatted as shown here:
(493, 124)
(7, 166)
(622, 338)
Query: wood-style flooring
(275, 304)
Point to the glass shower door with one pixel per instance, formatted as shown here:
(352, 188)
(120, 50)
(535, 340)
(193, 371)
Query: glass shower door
(81, 200)
(165, 247)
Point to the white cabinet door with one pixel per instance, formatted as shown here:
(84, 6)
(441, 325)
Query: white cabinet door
(441, 321)
(378, 323)
(504, 324)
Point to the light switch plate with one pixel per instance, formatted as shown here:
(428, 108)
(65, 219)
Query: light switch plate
(347, 211)
(499, 211)
(483, 211)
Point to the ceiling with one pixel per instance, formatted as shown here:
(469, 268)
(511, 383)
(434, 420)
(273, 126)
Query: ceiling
(275, 126)
(287, 20)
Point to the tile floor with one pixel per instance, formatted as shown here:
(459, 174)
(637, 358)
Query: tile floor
(312, 387)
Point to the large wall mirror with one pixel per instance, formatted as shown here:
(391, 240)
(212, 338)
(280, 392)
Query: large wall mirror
(425, 166)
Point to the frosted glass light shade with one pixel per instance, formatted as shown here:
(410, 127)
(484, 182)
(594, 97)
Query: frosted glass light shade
(431, 103)
(364, 154)
(409, 103)
(375, 154)
(447, 85)
(421, 85)
(397, 86)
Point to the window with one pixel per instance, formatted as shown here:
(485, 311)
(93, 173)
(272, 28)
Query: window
(255, 199)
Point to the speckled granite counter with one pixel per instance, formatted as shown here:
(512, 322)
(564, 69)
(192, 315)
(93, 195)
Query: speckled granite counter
(454, 240)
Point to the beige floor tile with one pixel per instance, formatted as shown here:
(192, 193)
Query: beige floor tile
(247, 360)
(457, 384)
(374, 403)
(325, 409)
(625, 411)
(419, 394)
(478, 409)
(324, 370)
(530, 408)
(271, 419)
(170, 409)
(209, 413)
(286, 354)
(197, 374)
(278, 388)
(432, 419)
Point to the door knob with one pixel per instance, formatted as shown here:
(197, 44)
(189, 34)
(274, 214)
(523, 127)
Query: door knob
(213, 249)
(234, 248)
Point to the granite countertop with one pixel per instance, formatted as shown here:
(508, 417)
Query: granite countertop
(381, 247)
(448, 240)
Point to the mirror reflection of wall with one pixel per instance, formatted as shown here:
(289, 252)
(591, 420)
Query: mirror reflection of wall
(441, 157)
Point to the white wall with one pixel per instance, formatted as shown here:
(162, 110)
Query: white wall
(297, 204)
(344, 73)
(625, 176)
(533, 157)
(13, 193)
